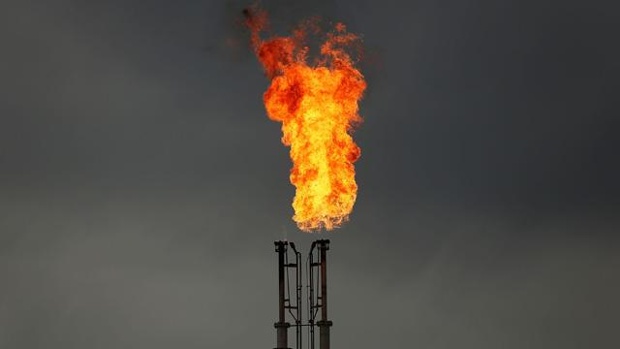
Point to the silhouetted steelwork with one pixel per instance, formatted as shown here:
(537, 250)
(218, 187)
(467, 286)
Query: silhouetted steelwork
(281, 326)
(324, 324)
(316, 302)
(298, 289)
(320, 302)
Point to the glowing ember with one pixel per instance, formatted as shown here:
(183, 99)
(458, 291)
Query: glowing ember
(317, 106)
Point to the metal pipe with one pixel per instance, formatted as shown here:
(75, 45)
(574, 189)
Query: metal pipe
(323, 255)
(281, 326)
(324, 324)
(298, 289)
(311, 305)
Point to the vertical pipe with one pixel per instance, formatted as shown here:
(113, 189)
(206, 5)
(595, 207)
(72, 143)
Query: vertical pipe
(324, 324)
(298, 287)
(298, 297)
(281, 326)
(323, 252)
(311, 295)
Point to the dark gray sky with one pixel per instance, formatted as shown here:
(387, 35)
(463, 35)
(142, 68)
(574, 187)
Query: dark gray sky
(142, 183)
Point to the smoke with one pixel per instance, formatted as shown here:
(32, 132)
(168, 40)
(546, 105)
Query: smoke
(232, 45)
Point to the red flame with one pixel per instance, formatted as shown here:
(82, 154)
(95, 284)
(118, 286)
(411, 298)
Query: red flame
(318, 107)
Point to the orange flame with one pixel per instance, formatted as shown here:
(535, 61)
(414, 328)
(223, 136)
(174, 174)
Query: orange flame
(318, 107)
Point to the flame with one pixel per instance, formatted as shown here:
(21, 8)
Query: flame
(318, 108)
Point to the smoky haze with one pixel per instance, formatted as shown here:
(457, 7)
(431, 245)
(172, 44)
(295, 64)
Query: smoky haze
(142, 183)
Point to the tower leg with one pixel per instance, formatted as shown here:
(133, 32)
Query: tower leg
(324, 324)
(281, 326)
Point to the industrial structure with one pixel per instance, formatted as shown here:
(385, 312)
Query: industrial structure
(316, 293)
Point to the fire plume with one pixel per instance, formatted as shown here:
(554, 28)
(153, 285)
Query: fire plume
(318, 107)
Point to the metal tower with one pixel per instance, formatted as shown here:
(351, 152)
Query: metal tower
(316, 266)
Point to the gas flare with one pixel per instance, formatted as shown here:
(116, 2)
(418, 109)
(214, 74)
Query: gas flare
(317, 105)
